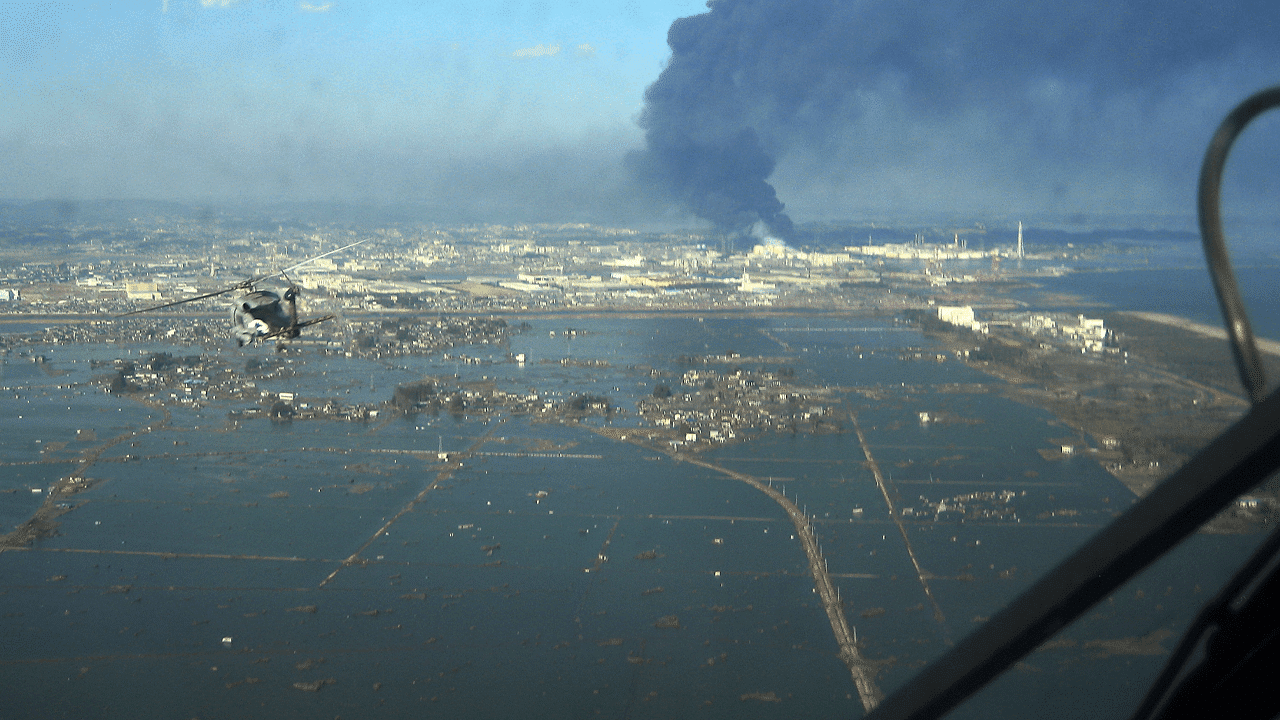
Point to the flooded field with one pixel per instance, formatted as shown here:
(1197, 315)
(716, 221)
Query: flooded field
(506, 565)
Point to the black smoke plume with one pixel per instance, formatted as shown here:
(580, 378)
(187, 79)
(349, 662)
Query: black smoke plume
(944, 96)
(702, 146)
(718, 179)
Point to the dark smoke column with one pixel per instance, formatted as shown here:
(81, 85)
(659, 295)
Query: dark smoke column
(701, 147)
(911, 106)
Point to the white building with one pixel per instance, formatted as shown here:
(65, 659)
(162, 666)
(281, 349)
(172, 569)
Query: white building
(142, 291)
(956, 315)
(961, 316)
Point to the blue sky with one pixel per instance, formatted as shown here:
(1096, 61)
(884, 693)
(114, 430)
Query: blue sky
(221, 100)
(529, 109)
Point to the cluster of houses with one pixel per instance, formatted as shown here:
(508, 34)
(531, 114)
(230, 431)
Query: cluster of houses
(712, 407)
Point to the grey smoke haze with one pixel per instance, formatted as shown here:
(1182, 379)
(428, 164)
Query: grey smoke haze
(1083, 106)
(526, 110)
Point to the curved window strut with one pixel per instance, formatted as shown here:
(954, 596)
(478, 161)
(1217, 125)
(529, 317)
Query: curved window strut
(1238, 632)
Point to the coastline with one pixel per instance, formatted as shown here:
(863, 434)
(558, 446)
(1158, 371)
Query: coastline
(1140, 416)
(1271, 347)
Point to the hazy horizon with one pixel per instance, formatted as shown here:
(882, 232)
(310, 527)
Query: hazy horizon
(526, 111)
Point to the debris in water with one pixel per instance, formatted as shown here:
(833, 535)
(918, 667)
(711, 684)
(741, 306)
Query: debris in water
(1148, 644)
(314, 686)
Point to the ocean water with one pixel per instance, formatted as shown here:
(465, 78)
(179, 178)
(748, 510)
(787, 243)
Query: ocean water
(1185, 292)
(353, 573)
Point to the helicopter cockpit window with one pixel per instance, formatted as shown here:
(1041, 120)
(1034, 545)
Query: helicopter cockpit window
(732, 358)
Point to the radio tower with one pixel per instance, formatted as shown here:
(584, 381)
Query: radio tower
(1019, 239)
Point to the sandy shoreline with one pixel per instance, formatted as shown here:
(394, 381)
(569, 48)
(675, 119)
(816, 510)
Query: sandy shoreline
(1270, 347)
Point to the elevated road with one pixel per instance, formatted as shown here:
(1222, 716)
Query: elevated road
(861, 669)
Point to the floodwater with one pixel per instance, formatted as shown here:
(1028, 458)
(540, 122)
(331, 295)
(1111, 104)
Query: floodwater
(251, 569)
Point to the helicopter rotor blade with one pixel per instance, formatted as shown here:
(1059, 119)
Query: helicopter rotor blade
(240, 286)
(317, 257)
(248, 284)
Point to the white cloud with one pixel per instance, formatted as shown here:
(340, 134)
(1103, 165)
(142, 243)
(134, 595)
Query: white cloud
(537, 51)
(218, 3)
(308, 7)
(586, 50)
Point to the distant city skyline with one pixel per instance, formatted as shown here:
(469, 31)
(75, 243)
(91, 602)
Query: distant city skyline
(530, 110)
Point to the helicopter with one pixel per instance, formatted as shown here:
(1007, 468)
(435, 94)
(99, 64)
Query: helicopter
(262, 314)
